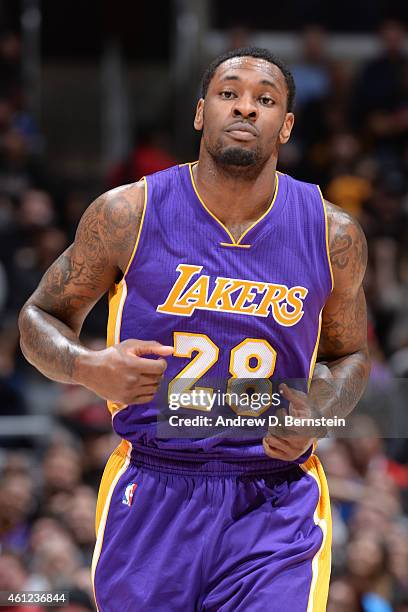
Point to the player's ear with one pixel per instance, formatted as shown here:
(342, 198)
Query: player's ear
(286, 128)
(199, 116)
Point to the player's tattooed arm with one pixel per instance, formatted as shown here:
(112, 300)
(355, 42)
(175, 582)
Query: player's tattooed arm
(343, 340)
(336, 387)
(51, 320)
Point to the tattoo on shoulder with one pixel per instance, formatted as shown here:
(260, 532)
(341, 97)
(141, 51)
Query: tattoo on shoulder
(344, 316)
(117, 216)
(103, 244)
(347, 243)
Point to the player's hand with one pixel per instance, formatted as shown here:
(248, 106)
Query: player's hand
(121, 373)
(286, 449)
(290, 442)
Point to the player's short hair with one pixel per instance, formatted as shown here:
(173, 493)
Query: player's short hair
(257, 52)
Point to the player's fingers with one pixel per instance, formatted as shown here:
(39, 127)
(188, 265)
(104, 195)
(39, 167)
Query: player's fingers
(301, 409)
(148, 389)
(148, 347)
(281, 413)
(277, 443)
(150, 379)
(273, 451)
(292, 395)
(152, 366)
(144, 399)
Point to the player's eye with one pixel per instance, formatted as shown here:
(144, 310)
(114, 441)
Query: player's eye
(267, 101)
(227, 94)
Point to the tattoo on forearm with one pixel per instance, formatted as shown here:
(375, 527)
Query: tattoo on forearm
(56, 346)
(347, 386)
(344, 325)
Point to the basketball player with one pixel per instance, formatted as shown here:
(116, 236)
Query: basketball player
(227, 267)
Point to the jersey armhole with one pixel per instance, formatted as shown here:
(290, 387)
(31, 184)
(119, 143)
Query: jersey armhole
(139, 232)
(326, 222)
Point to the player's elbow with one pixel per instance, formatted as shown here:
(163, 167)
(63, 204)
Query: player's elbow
(27, 324)
(24, 326)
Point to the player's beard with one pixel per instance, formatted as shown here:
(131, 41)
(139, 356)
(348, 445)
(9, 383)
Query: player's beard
(237, 161)
(236, 156)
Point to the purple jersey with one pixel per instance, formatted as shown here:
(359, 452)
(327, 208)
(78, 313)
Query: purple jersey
(232, 309)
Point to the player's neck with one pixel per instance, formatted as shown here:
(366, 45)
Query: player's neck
(231, 199)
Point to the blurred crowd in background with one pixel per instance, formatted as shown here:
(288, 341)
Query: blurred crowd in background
(351, 137)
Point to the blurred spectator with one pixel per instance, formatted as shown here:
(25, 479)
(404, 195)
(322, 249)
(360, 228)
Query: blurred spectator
(149, 155)
(16, 506)
(10, 65)
(30, 263)
(343, 597)
(367, 563)
(312, 72)
(14, 576)
(380, 102)
(79, 516)
(12, 401)
(61, 470)
(57, 560)
(19, 168)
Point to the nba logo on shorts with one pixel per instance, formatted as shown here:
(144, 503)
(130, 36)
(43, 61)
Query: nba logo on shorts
(128, 495)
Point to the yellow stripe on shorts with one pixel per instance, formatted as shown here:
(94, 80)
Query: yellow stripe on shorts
(117, 465)
(321, 564)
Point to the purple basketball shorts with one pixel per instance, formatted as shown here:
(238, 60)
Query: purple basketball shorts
(176, 536)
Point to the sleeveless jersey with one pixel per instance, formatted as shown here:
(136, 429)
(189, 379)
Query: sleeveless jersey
(231, 308)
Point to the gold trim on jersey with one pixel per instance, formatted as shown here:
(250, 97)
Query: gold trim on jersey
(327, 237)
(117, 298)
(233, 241)
(140, 227)
(314, 354)
(242, 246)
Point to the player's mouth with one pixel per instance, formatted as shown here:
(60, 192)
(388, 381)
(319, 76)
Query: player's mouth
(242, 131)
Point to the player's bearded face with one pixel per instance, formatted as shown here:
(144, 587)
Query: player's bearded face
(243, 117)
(229, 152)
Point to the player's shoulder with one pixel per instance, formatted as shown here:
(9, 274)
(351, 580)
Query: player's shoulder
(342, 224)
(133, 193)
(113, 220)
(120, 206)
(347, 244)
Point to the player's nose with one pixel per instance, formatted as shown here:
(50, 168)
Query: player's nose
(245, 106)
